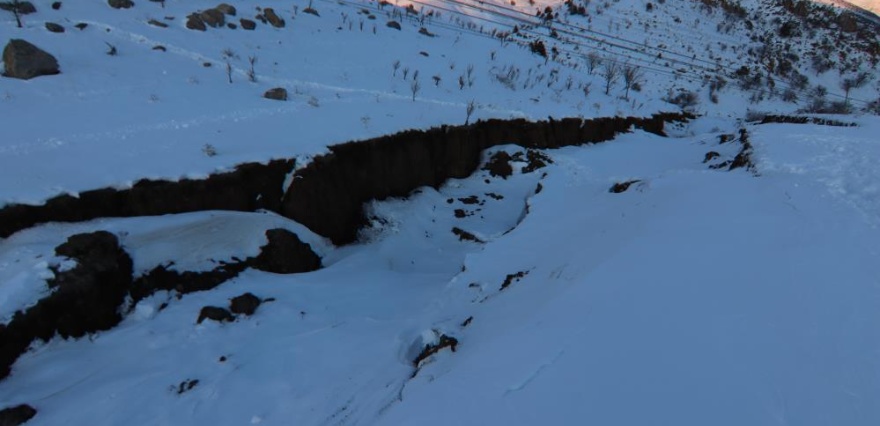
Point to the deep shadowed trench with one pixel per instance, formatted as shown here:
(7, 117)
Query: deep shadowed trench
(327, 195)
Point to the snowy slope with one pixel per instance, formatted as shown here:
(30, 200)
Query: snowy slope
(697, 296)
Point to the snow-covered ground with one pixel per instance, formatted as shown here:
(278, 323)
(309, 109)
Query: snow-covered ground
(696, 297)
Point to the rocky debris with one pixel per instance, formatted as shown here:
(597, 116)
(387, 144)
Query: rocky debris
(722, 139)
(231, 26)
(424, 31)
(247, 24)
(24, 7)
(163, 278)
(499, 165)
(120, 4)
(18, 415)
(512, 278)
(226, 9)
(215, 313)
(273, 19)
(467, 321)
(23, 60)
(803, 120)
(311, 11)
(213, 18)
(285, 253)
(186, 385)
(743, 158)
(156, 23)
(711, 155)
(276, 93)
(465, 235)
(470, 200)
(54, 28)
(461, 213)
(494, 196)
(160, 48)
(84, 300)
(534, 160)
(619, 187)
(393, 24)
(195, 22)
(430, 349)
(246, 304)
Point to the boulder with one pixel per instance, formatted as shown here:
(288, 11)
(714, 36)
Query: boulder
(286, 254)
(213, 18)
(53, 27)
(14, 416)
(25, 61)
(277, 93)
(120, 4)
(215, 313)
(272, 18)
(247, 24)
(194, 22)
(246, 304)
(393, 24)
(226, 9)
(56, 5)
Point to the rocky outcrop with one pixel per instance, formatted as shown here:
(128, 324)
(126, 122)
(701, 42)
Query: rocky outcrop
(120, 4)
(215, 313)
(195, 22)
(85, 299)
(285, 253)
(25, 61)
(327, 196)
(246, 304)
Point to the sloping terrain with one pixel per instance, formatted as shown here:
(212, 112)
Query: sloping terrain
(619, 267)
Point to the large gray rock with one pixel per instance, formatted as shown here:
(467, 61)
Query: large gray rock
(25, 61)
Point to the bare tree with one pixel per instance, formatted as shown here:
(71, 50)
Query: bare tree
(856, 82)
(471, 106)
(252, 74)
(415, 86)
(611, 73)
(632, 76)
(593, 62)
(394, 67)
(229, 71)
(15, 7)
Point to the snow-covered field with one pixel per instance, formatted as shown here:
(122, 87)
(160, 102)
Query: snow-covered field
(698, 296)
